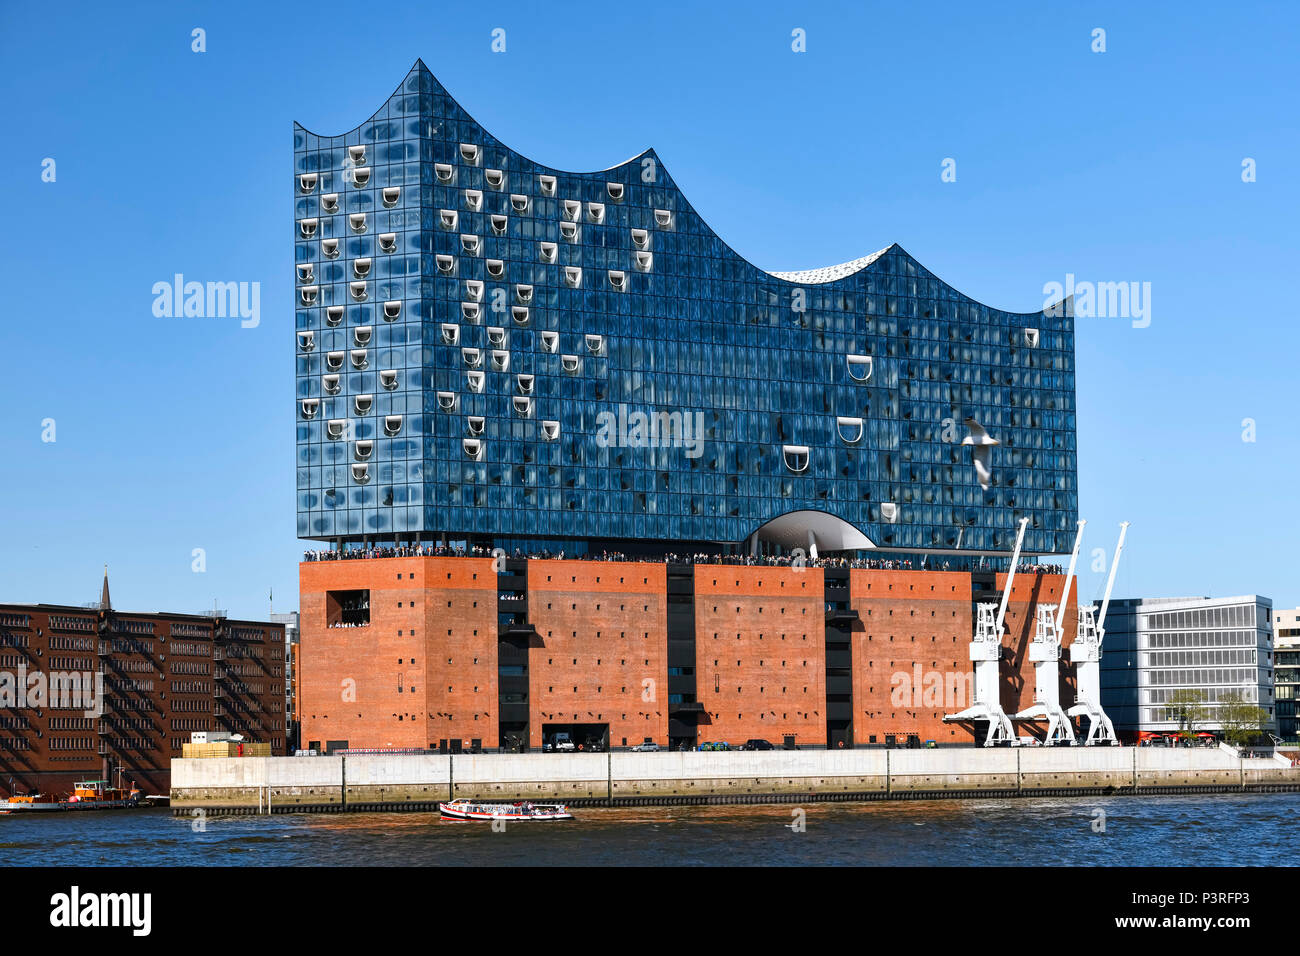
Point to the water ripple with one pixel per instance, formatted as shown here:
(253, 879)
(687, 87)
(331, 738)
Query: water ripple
(1212, 830)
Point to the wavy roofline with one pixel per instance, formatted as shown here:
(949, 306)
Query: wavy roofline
(827, 276)
(421, 65)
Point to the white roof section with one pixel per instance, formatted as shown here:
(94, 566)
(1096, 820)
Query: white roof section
(831, 533)
(1198, 601)
(830, 273)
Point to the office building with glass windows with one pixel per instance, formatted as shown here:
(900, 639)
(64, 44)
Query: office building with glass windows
(494, 350)
(1159, 650)
(1286, 680)
(493, 353)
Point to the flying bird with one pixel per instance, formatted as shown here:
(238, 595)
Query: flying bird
(981, 451)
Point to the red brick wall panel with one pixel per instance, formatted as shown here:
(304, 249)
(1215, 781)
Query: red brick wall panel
(911, 657)
(603, 629)
(432, 633)
(760, 651)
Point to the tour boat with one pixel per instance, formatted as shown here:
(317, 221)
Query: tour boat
(86, 795)
(524, 810)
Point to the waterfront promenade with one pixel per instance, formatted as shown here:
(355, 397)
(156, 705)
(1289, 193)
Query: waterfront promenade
(369, 782)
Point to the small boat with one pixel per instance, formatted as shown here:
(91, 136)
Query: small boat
(522, 810)
(86, 795)
(20, 801)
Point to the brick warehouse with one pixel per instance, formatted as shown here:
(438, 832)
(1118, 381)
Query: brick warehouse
(449, 653)
(153, 679)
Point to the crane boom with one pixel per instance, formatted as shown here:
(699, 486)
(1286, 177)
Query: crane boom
(1110, 580)
(1069, 578)
(1011, 575)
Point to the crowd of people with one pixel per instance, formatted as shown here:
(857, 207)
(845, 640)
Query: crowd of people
(798, 559)
(399, 551)
(1024, 568)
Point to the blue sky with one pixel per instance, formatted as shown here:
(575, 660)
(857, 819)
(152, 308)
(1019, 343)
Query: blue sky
(172, 434)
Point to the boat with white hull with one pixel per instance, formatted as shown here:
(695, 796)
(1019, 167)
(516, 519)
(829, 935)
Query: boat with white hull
(524, 810)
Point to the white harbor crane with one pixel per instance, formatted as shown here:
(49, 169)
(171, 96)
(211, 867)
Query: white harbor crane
(986, 653)
(1085, 652)
(1045, 655)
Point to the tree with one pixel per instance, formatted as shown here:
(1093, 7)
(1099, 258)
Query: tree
(1242, 721)
(1187, 707)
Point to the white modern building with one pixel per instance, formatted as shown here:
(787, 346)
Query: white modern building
(1155, 647)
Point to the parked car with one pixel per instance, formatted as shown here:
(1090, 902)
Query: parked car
(648, 747)
(563, 743)
(755, 743)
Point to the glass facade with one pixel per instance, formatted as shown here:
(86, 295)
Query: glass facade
(489, 347)
(1286, 673)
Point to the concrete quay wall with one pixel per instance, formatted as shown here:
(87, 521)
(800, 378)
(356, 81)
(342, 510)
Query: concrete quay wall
(371, 781)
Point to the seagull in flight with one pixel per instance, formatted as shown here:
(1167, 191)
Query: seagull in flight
(981, 451)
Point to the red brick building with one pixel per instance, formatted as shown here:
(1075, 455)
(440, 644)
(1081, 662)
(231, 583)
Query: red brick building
(88, 691)
(463, 653)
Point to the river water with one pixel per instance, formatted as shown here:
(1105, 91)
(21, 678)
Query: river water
(1204, 830)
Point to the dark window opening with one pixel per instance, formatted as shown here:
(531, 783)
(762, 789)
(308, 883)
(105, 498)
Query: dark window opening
(347, 608)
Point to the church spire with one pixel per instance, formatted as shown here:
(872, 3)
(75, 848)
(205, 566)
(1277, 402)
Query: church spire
(104, 603)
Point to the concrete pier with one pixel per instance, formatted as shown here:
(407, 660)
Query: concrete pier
(404, 782)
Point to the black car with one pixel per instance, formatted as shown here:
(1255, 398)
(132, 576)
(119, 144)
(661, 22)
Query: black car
(756, 744)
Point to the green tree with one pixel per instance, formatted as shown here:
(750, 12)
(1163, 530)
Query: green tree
(1187, 708)
(1242, 721)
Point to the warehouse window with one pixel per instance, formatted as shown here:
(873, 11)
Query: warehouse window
(347, 608)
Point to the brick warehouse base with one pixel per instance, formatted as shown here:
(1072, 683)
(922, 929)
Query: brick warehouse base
(460, 653)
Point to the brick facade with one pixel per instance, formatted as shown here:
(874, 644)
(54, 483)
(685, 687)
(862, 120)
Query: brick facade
(911, 655)
(760, 654)
(597, 652)
(423, 669)
(602, 656)
(163, 677)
